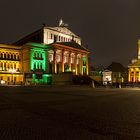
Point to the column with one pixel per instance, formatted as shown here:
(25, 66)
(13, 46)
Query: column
(76, 72)
(62, 60)
(134, 80)
(54, 61)
(87, 64)
(81, 63)
(69, 61)
(139, 49)
(139, 75)
(129, 72)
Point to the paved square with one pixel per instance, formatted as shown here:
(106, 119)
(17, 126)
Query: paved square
(69, 113)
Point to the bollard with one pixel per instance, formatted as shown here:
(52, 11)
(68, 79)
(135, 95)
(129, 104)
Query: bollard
(93, 85)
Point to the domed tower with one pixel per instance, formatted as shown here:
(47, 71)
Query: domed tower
(138, 49)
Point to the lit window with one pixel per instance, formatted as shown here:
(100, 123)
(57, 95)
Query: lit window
(34, 55)
(14, 56)
(8, 78)
(40, 65)
(50, 57)
(14, 66)
(51, 36)
(11, 56)
(5, 55)
(15, 79)
(34, 65)
(8, 56)
(37, 55)
(40, 55)
(58, 58)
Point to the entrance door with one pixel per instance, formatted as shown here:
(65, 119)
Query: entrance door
(57, 68)
(50, 67)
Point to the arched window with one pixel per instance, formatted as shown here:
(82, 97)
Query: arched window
(41, 66)
(61, 38)
(8, 65)
(34, 65)
(38, 65)
(11, 56)
(1, 64)
(37, 55)
(11, 66)
(4, 65)
(15, 66)
(14, 56)
(4, 55)
(18, 56)
(34, 55)
(8, 56)
(41, 55)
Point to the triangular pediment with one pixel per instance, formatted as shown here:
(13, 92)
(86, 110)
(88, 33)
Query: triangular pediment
(63, 30)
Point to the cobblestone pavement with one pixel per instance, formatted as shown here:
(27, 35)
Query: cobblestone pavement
(69, 113)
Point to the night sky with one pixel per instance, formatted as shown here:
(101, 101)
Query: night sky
(110, 28)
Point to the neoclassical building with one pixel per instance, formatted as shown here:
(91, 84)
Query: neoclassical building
(39, 55)
(10, 64)
(134, 68)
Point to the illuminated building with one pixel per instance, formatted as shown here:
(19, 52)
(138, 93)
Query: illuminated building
(107, 77)
(119, 73)
(134, 68)
(46, 52)
(10, 64)
(40, 61)
(34, 63)
(48, 35)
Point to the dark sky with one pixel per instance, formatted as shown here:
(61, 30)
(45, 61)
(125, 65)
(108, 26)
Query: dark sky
(110, 28)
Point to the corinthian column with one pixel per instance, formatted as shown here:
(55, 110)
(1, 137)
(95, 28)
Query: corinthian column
(87, 64)
(139, 49)
(69, 61)
(81, 63)
(54, 61)
(62, 60)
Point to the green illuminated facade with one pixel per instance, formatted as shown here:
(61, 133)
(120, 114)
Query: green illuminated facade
(37, 72)
(42, 62)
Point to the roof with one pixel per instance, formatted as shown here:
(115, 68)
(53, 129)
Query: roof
(72, 44)
(36, 36)
(136, 64)
(8, 46)
(62, 29)
(38, 45)
(116, 67)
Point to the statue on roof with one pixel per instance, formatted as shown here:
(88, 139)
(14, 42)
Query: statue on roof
(62, 24)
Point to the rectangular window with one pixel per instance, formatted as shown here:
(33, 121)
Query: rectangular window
(51, 36)
(14, 79)
(8, 78)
